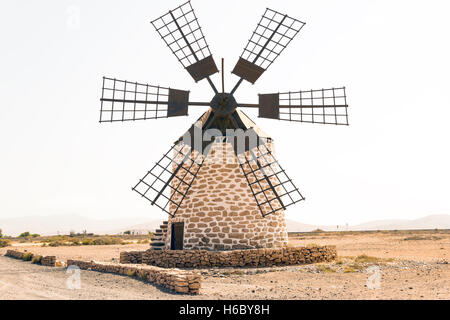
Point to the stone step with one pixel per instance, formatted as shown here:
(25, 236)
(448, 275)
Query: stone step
(163, 226)
(157, 244)
(165, 222)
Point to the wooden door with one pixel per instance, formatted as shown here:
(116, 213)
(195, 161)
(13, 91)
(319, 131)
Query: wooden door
(176, 242)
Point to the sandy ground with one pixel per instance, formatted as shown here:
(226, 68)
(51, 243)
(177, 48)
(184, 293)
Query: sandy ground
(436, 245)
(406, 269)
(100, 253)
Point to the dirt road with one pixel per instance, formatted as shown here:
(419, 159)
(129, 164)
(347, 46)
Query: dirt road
(23, 280)
(398, 280)
(407, 265)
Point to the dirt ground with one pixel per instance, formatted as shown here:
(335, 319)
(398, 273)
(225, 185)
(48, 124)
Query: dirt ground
(408, 265)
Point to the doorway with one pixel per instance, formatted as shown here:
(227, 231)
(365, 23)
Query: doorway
(177, 235)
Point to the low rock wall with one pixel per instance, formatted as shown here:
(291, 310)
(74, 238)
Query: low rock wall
(49, 261)
(14, 254)
(131, 257)
(180, 281)
(232, 258)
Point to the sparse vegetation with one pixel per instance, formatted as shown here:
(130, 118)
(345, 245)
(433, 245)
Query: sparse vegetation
(81, 240)
(325, 268)
(367, 259)
(27, 256)
(4, 243)
(85, 241)
(24, 234)
(233, 272)
(307, 235)
(312, 244)
(339, 262)
(55, 244)
(36, 259)
(422, 238)
(127, 232)
(350, 269)
(131, 273)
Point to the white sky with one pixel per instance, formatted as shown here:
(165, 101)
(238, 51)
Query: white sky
(393, 57)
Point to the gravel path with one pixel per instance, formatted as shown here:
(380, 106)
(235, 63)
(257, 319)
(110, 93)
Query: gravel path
(422, 271)
(23, 280)
(399, 280)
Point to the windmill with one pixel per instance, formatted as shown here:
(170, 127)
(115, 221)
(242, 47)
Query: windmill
(256, 187)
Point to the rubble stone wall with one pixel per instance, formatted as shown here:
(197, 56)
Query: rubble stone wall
(236, 258)
(180, 281)
(134, 257)
(49, 261)
(14, 254)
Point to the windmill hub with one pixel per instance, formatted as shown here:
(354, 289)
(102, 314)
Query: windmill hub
(223, 104)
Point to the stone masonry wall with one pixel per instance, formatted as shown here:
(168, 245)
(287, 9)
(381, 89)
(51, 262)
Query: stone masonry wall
(49, 261)
(14, 254)
(236, 258)
(180, 281)
(220, 212)
(134, 257)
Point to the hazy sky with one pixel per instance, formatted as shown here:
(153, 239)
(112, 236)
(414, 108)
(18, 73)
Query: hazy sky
(393, 57)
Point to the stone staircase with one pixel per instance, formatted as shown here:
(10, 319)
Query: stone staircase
(158, 240)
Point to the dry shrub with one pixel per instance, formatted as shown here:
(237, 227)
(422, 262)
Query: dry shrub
(367, 259)
(27, 256)
(421, 238)
(131, 273)
(326, 269)
(36, 259)
(4, 243)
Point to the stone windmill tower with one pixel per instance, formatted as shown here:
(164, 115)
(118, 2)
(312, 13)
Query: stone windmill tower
(220, 183)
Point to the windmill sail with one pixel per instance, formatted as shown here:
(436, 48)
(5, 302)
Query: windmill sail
(180, 30)
(128, 101)
(272, 35)
(271, 187)
(168, 182)
(324, 106)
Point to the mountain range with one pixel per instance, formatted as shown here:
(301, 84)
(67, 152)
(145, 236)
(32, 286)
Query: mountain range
(64, 224)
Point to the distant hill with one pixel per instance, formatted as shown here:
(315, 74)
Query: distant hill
(295, 226)
(441, 221)
(141, 228)
(63, 224)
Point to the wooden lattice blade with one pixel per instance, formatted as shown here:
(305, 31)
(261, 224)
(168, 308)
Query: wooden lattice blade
(272, 35)
(128, 101)
(168, 182)
(271, 187)
(323, 106)
(180, 30)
